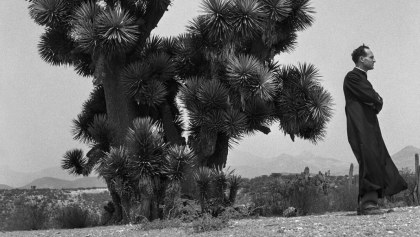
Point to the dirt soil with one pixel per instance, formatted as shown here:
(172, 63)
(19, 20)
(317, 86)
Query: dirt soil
(403, 221)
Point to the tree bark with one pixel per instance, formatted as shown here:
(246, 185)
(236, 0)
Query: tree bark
(126, 207)
(116, 200)
(120, 113)
(120, 109)
(172, 134)
(219, 157)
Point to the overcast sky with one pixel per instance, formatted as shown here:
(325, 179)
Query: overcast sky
(38, 101)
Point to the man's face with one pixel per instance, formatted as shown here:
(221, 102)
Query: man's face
(368, 61)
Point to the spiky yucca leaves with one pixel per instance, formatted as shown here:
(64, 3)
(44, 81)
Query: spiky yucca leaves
(213, 94)
(303, 106)
(220, 181)
(153, 44)
(83, 30)
(300, 16)
(190, 56)
(235, 123)
(95, 105)
(117, 30)
(205, 102)
(218, 19)
(271, 22)
(203, 179)
(146, 148)
(48, 12)
(93, 157)
(277, 10)
(247, 74)
(210, 113)
(74, 162)
(100, 137)
(102, 132)
(213, 184)
(162, 67)
(248, 18)
(83, 65)
(55, 47)
(115, 165)
(156, 45)
(144, 81)
(234, 182)
(113, 30)
(179, 159)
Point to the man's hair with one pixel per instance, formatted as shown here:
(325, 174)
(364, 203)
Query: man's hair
(359, 52)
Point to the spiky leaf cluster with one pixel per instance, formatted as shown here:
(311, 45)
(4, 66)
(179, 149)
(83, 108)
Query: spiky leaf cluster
(74, 162)
(146, 81)
(216, 184)
(78, 30)
(146, 148)
(112, 29)
(92, 107)
(270, 22)
(303, 106)
(246, 74)
(99, 135)
(209, 109)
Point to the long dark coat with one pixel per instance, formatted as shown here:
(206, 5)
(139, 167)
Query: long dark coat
(377, 171)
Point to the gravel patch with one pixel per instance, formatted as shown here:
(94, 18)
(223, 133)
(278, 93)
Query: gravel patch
(403, 221)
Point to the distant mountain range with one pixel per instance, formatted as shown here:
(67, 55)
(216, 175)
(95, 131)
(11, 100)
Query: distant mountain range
(245, 164)
(19, 179)
(54, 183)
(405, 157)
(249, 165)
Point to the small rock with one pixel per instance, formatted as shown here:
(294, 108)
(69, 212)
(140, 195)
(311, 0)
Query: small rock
(390, 232)
(289, 212)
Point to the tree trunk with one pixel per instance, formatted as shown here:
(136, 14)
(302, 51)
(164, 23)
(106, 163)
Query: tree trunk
(116, 200)
(121, 110)
(126, 207)
(219, 157)
(172, 134)
(154, 210)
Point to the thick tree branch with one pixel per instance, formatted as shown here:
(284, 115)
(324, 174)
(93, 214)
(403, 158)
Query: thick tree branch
(152, 17)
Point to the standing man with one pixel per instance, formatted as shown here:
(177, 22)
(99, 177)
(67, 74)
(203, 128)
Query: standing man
(378, 175)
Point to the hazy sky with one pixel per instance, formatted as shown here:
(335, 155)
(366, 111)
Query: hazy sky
(38, 101)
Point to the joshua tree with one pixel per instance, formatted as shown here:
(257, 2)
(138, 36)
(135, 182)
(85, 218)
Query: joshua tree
(232, 86)
(224, 65)
(107, 39)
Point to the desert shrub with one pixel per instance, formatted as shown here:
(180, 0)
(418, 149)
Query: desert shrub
(267, 195)
(217, 189)
(107, 212)
(344, 198)
(406, 197)
(208, 222)
(184, 209)
(28, 215)
(271, 195)
(73, 216)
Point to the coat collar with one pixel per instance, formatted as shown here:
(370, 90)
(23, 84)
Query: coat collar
(360, 72)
